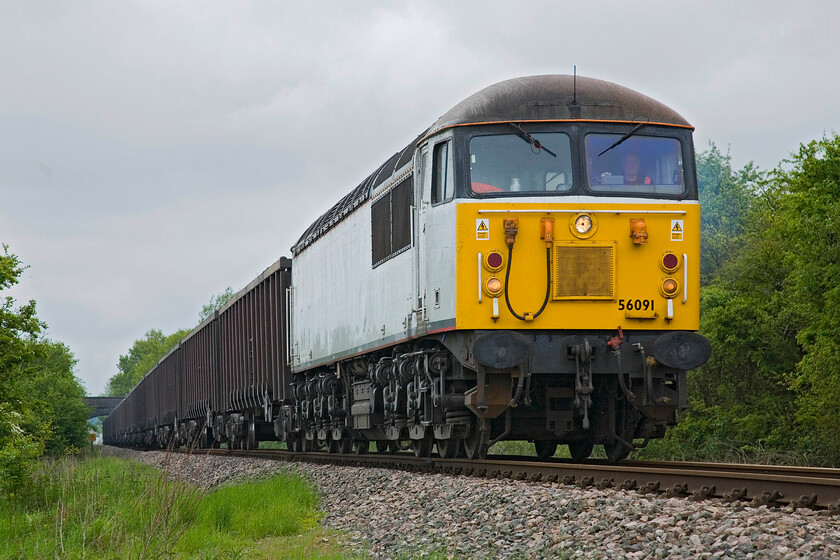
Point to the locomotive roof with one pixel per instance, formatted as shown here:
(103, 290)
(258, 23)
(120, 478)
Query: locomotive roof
(556, 97)
(531, 98)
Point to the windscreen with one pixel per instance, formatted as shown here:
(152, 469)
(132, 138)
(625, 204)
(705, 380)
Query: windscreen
(520, 163)
(639, 164)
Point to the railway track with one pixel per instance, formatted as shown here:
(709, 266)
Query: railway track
(774, 486)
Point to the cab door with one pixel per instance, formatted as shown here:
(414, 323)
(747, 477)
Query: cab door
(422, 170)
(435, 235)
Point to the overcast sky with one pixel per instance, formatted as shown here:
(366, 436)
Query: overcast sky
(154, 153)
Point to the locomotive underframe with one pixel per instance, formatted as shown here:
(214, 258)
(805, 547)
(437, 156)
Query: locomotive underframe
(571, 388)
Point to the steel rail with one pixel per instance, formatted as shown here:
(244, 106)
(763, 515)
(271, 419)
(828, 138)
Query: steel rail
(770, 485)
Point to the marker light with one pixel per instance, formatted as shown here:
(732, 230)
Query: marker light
(494, 261)
(669, 262)
(669, 287)
(493, 286)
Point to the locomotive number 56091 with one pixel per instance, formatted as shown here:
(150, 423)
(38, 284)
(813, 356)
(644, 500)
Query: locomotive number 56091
(635, 304)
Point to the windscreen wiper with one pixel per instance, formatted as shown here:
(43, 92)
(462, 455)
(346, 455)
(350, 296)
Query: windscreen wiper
(531, 140)
(625, 137)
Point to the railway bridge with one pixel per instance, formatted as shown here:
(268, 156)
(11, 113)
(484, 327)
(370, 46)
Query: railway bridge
(102, 406)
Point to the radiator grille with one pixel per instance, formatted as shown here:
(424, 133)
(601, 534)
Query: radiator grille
(584, 271)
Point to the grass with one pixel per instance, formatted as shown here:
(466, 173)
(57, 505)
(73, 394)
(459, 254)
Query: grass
(113, 508)
(526, 449)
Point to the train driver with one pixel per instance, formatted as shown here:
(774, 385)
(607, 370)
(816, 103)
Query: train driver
(632, 170)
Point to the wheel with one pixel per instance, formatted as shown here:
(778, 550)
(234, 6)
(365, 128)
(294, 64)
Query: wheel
(204, 439)
(361, 447)
(449, 448)
(422, 447)
(616, 451)
(250, 441)
(383, 446)
(332, 446)
(345, 444)
(545, 448)
(294, 443)
(475, 445)
(580, 450)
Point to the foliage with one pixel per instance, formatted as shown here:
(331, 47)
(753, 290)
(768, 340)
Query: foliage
(17, 326)
(55, 407)
(41, 401)
(112, 508)
(216, 302)
(143, 355)
(105, 508)
(18, 451)
(808, 225)
(726, 197)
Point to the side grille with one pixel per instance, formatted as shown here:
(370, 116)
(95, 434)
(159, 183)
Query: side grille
(390, 226)
(584, 271)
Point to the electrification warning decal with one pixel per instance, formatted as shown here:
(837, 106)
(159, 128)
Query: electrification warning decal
(482, 229)
(676, 230)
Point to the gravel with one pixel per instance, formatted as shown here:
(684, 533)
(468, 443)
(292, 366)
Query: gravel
(396, 514)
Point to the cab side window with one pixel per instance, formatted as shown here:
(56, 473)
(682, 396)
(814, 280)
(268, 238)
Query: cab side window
(442, 187)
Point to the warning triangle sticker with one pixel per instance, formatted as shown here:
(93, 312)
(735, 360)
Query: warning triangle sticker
(676, 227)
(482, 226)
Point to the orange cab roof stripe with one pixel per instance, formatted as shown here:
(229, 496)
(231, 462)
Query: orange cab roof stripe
(689, 127)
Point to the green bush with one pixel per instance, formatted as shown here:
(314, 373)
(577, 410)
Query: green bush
(18, 452)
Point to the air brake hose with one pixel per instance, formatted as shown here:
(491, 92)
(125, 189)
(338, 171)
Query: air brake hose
(547, 284)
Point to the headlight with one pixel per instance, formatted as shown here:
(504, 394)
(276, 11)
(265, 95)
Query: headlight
(493, 286)
(583, 224)
(669, 287)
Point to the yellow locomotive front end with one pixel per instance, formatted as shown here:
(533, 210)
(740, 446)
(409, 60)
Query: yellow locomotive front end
(601, 266)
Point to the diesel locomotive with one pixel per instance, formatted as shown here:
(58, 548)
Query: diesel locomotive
(525, 269)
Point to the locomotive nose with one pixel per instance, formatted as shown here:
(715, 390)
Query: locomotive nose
(682, 350)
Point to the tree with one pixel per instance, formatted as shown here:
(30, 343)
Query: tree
(17, 326)
(55, 409)
(216, 302)
(143, 355)
(726, 199)
(41, 402)
(808, 226)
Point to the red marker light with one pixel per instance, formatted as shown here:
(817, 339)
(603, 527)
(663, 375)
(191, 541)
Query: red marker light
(494, 260)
